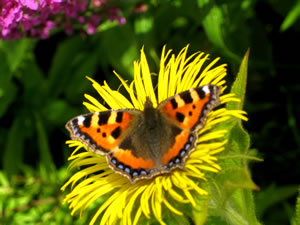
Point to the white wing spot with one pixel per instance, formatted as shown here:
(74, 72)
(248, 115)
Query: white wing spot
(80, 120)
(206, 89)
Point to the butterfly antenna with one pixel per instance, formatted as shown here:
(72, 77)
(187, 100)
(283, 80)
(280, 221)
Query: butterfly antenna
(155, 88)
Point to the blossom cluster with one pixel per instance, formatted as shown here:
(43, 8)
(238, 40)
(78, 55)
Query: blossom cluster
(36, 18)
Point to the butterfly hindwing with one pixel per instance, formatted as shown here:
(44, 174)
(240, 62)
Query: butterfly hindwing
(101, 131)
(189, 109)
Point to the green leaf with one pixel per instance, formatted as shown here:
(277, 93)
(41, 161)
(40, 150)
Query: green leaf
(298, 208)
(4, 181)
(239, 85)
(213, 23)
(291, 17)
(242, 206)
(200, 211)
(118, 49)
(47, 165)
(232, 190)
(231, 195)
(174, 220)
(16, 51)
(239, 140)
(13, 152)
(57, 112)
(279, 194)
(34, 85)
(106, 25)
(8, 89)
(64, 64)
(143, 25)
(87, 63)
(215, 220)
(235, 177)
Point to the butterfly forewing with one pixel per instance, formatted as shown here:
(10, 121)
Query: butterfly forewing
(189, 109)
(101, 131)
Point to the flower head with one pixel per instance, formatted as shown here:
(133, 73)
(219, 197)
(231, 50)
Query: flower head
(10, 14)
(92, 24)
(36, 18)
(169, 194)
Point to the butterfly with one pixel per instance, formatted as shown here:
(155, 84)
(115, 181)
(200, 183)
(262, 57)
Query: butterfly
(143, 144)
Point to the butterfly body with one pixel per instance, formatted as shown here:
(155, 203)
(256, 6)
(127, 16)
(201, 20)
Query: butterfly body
(152, 135)
(142, 144)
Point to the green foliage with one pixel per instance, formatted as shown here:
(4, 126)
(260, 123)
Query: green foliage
(297, 220)
(214, 23)
(42, 87)
(279, 194)
(232, 198)
(291, 17)
(33, 199)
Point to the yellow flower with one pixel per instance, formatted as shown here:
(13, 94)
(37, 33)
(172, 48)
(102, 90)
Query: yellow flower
(167, 194)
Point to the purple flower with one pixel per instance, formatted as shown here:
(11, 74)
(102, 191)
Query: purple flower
(49, 25)
(36, 18)
(43, 3)
(80, 19)
(31, 4)
(114, 14)
(121, 20)
(12, 34)
(56, 7)
(92, 24)
(26, 22)
(75, 7)
(10, 14)
(68, 28)
(98, 3)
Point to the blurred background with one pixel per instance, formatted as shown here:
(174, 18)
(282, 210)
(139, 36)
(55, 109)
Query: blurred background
(44, 61)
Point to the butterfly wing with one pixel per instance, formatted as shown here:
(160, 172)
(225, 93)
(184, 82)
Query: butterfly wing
(189, 109)
(102, 131)
(114, 134)
(119, 134)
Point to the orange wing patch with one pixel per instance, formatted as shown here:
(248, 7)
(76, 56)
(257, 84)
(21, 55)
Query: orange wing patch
(127, 158)
(180, 148)
(124, 162)
(188, 109)
(101, 130)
